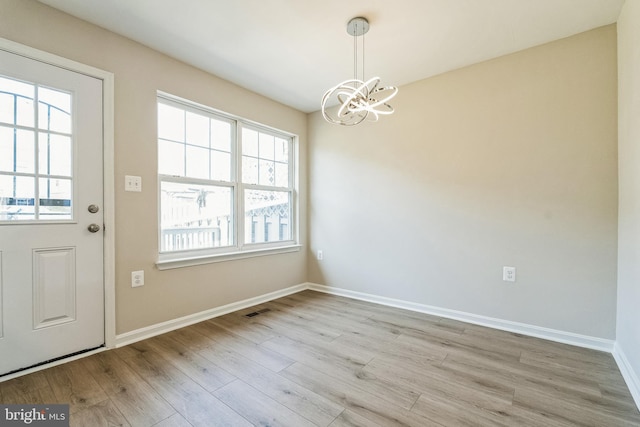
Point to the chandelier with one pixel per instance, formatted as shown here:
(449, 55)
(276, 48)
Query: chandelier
(357, 99)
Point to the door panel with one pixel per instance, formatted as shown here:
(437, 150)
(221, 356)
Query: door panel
(51, 265)
(54, 287)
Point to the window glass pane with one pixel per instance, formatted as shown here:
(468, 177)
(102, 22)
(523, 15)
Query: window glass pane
(55, 198)
(54, 154)
(195, 216)
(197, 129)
(170, 158)
(282, 175)
(267, 173)
(220, 166)
(267, 216)
(266, 146)
(16, 102)
(249, 170)
(171, 123)
(249, 142)
(282, 150)
(17, 198)
(220, 135)
(197, 162)
(54, 110)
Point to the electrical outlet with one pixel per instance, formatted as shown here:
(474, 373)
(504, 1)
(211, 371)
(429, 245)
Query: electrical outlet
(509, 274)
(320, 255)
(137, 278)
(132, 183)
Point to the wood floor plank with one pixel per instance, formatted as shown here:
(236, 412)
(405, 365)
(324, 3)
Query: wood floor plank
(188, 398)
(140, 404)
(40, 395)
(102, 414)
(305, 402)
(363, 403)
(242, 326)
(469, 389)
(572, 409)
(560, 362)
(259, 408)
(224, 338)
(185, 357)
(73, 384)
(176, 420)
(515, 373)
(350, 419)
(347, 369)
(12, 389)
(302, 320)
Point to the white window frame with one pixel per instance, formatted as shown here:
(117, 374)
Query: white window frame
(239, 249)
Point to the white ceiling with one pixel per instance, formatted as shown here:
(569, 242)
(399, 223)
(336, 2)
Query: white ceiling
(293, 50)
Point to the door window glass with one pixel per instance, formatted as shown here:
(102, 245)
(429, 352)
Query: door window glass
(36, 152)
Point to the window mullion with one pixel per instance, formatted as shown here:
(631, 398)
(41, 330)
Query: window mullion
(239, 194)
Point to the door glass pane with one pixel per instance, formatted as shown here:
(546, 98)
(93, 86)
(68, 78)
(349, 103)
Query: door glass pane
(267, 216)
(16, 102)
(55, 199)
(195, 216)
(17, 198)
(24, 151)
(54, 110)
(6, 149)
(54, 154)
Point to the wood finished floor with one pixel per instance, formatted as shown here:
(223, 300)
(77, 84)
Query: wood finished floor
(322, 360)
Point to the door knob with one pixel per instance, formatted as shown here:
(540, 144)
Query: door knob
(94, 228)
(93, 208)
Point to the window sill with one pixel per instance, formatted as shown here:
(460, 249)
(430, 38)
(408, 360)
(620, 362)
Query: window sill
(167, 264)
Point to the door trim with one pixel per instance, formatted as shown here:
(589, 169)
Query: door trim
(108, 178)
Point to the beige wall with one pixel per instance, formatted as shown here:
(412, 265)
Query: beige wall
(511, 162)
(628, 325)
(139, 73)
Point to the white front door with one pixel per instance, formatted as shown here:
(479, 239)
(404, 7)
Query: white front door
(51, 199)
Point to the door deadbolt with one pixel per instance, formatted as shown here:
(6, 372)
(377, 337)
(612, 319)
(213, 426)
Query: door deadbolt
(93, 208)
(94, 228)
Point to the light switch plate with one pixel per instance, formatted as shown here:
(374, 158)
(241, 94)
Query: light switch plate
(132, 183)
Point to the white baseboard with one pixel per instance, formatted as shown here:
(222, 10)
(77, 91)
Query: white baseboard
(170, 325)
(630, 376)
(505, 325)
